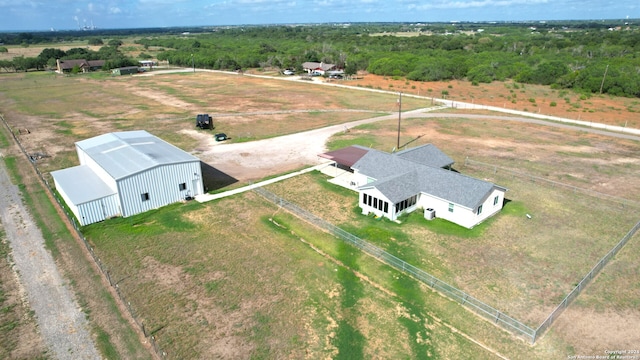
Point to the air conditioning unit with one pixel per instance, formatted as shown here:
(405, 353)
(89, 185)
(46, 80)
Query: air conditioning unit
(429, 214)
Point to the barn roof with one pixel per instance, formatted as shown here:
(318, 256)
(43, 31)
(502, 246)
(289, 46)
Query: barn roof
(127, 153)
(81, 184)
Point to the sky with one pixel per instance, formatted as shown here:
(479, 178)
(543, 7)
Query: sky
(43, 15)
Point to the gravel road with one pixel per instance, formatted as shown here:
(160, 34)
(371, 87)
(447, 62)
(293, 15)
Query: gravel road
(61, 322)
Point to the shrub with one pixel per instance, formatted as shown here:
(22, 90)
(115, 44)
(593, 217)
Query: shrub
(553, 104)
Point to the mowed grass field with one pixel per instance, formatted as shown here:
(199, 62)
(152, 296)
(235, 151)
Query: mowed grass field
(236, 280)
(240, 278)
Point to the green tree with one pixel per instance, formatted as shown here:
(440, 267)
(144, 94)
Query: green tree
(115, 43)
(95, 41)
(51, 53)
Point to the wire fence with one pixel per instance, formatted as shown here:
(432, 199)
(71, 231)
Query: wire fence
(486, 311)
(573, 294)
(623, 202)
(103, 268)
(584, 282)
(480, 308)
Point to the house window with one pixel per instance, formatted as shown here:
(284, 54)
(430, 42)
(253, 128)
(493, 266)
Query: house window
(450, 207)
(386, 207)
(145, 196)
(183, 186)
(479, 209)
(495, 200)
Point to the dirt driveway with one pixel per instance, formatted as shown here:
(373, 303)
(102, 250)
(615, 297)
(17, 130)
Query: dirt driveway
(254, 160)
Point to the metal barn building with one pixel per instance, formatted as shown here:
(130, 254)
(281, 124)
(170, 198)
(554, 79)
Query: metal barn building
(127, 173)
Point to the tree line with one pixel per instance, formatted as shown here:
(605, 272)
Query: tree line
(603, 59)
(47, 59)
(589, 57)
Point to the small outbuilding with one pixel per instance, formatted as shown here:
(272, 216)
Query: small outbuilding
(127, 70)
(127, 173)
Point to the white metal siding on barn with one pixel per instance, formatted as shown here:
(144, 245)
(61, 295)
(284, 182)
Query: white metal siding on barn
(162, 185)
(127, 173)
(65, 197)
(98, 210)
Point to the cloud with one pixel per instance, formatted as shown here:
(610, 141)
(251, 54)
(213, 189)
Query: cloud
(114, 10)
(475, 4)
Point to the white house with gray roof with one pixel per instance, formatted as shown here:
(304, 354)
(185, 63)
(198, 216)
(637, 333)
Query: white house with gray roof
(127, 173)
(418, 178)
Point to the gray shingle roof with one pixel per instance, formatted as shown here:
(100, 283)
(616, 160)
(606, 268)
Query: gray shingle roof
(312, 65)
(399, 179)
(378, 165)
(427, 154)
(126, 153)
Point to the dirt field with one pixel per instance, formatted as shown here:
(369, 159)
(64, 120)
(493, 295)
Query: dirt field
(531, 98)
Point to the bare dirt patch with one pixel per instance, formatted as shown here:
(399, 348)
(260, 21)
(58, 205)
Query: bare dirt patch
(523, 97)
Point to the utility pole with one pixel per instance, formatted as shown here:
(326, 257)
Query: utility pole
(399, 117)
(603, 77)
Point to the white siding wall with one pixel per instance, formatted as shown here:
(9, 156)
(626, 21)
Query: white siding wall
(461, 215)
(360, 179)
(66, 199)
(366, 209)
(488, 209)
(162, 185)
(98, 210)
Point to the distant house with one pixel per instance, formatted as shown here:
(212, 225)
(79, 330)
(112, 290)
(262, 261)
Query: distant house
(418, 178)
(65, 66)
(127, 70)
(126, 173)
(317, 67)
